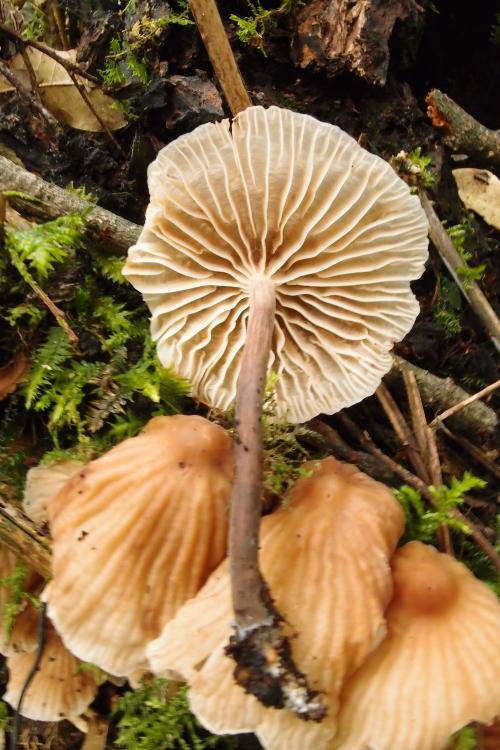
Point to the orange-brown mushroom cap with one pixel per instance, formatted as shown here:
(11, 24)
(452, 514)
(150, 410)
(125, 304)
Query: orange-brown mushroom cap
(280, 196)
(61, 689)
(325, 555)
(439, 667)
(135, 534)
(43, 482)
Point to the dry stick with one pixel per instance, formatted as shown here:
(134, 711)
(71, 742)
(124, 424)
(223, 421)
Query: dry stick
(109, 230)
(474, 451)
(96, 114)
(407, 476)
(452, 261)
(427, 444)
(443, 392)
(66, 64)
(458, 407)
(415, 454)
(221, 56)
(264, 664)
(462, 132)
(28, 96)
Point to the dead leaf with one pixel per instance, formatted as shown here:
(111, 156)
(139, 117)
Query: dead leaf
(479, 190)
(60, 95)
(12, 374)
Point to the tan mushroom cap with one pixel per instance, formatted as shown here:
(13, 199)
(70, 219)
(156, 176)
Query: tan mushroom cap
(60, 689)
(439, 667)
(280, 195)
(136, 533)
(43, 483)
(325, 555)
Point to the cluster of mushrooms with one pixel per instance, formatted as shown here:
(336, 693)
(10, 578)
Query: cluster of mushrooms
(274, 242)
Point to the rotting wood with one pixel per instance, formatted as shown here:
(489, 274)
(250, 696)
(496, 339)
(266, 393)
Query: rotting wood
(221, 56)
(21, 536)
(461, 131)
(452, 260)
(463, 404)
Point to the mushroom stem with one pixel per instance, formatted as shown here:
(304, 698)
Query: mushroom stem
(247, 583)
(262, 652)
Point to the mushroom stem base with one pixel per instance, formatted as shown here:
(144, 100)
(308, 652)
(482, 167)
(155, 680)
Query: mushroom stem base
(264, 665)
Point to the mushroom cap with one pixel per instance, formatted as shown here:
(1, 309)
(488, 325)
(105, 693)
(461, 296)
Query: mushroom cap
(280, 195)
(325, 555)
(439, 667)
(135, 534)
(43, 482)
(60, 688)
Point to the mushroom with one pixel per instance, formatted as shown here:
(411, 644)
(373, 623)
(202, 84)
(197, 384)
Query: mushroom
(439, 667)
(275, 241)
(326, 554)
(60, 689)
(43, 482)
(135, 534)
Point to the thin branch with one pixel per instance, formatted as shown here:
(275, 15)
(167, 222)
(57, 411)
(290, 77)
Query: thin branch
(221, 56)
(476, 453)
(470, 400)
(461, 131)
(473, 294)
(66, 64)
(28, 96)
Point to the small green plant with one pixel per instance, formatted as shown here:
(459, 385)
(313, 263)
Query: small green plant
(252, 29)
(423, 522)
(17, 596)
(283, 453)
(460, 234)
(415, 168)
(464, 739)
(157, 717)
(448, 308)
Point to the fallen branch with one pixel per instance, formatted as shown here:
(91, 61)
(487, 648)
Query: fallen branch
(462, 404)
(108, 229)
(461, 131)
(441, 393)
(221, 56)
(32, 101)
(21, 536)
(453, 261)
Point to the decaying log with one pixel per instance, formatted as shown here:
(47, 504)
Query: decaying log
(350, 35)
(461, 131)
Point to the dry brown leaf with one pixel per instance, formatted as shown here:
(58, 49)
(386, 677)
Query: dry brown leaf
(60, 95)
(12, 374)
(479, 190)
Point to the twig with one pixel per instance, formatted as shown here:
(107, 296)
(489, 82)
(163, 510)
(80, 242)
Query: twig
(111, 231)
(462, 404)
(28, 96)
(86, 99)
(415, 454)
(474, 451)
(441, 393)
(427, 444)
(461, 131)
(66, 64)
(221, 56)
(452, 261)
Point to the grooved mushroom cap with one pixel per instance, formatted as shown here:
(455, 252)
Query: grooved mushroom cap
(280, 195)
(60, 688)
(439, 667)
(135, 534)
(43, 483)
(325, 555)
